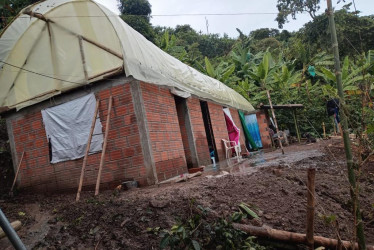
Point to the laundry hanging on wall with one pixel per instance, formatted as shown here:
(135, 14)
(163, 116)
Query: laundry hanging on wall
(68, 126)
(232, 129)
(250, 143)
(254, 130)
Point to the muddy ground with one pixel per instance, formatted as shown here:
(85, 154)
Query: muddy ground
(272, 182)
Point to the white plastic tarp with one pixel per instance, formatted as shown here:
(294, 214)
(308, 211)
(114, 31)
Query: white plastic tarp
(81, 43)
(68, 126)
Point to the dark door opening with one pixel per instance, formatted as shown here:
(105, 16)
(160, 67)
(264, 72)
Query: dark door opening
(208, 129)
(186, 131)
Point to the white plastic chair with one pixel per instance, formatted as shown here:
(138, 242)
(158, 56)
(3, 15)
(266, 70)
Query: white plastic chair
(229, 145)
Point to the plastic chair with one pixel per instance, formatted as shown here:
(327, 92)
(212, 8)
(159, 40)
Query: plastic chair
(229, 145)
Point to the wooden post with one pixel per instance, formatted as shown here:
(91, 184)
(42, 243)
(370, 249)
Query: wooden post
(279, 235)
(104, 147)
(324, 130)
(87, 150)
(275, 121)
(83, 58)
(296, 125)
(15, 177)
(310, 208)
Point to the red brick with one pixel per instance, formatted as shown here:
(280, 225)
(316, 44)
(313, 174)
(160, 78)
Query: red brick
(36, 125)
(128, 152)
(115, 155)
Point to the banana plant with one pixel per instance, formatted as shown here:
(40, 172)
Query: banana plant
(284, 79)
(352, 76)
(223, 72)
(262, 75)
(169, 44)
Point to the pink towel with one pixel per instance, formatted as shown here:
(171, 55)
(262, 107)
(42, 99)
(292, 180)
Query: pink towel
(232, 130)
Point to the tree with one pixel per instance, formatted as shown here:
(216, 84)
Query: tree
(292, 7)
(355, 33)
(137, 14)
(9, 9)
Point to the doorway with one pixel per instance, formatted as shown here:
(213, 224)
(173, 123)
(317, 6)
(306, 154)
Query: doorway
(186, 132)
(208, 129)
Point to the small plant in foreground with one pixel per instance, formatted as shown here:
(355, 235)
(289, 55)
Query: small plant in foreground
(200, 232)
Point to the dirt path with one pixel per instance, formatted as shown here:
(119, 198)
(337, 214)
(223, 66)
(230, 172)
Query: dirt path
(272, 182)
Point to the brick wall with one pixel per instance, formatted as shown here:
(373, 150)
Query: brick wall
(236, 118)
(123, 157)
(164, 131)
(262, 120)
(219, 128)
(199, 133)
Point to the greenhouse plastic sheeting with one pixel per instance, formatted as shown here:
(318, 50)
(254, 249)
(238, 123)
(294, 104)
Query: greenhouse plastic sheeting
(82, 43)
(68, 134)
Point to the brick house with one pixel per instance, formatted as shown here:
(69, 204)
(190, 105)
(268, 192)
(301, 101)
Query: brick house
(165, 115)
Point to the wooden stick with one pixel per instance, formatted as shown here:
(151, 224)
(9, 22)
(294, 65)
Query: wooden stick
(111, 71)
(310, 208)
(83, 58)
(87, 150)
(275, 121)
(324, 130)
(104, 147)
(16, 226)
(41, 17)
(292, 237)
(15, 177)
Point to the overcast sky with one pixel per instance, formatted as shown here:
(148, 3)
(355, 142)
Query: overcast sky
(227, 23)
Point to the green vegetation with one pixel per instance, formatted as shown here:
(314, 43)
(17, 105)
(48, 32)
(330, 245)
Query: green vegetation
(201, 230)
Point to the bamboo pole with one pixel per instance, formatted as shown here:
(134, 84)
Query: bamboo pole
(16, 225)
(347, 144)
(280, 235)
(310, 208)
(54, 57)
(15, 177)
(10, 231)
(87, 150)
(111, 72)
(83, 58)
(43, 18)
(324, 130)
(275, 120)
(104, 147)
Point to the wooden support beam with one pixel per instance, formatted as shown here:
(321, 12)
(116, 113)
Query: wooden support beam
(296, 125)
(104, 147)
(87, 150)
(83, 58)
(15, 177)
(280, 235)
(310, 208)
(110, 72)
(43, 18)
(16, 225)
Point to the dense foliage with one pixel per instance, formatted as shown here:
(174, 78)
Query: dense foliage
(10, 8)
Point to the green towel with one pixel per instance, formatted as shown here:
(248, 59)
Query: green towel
(248, 136)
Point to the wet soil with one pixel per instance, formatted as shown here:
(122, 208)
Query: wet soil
(271, 182)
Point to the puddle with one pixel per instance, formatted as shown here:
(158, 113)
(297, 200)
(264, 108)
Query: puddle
(259, 160)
